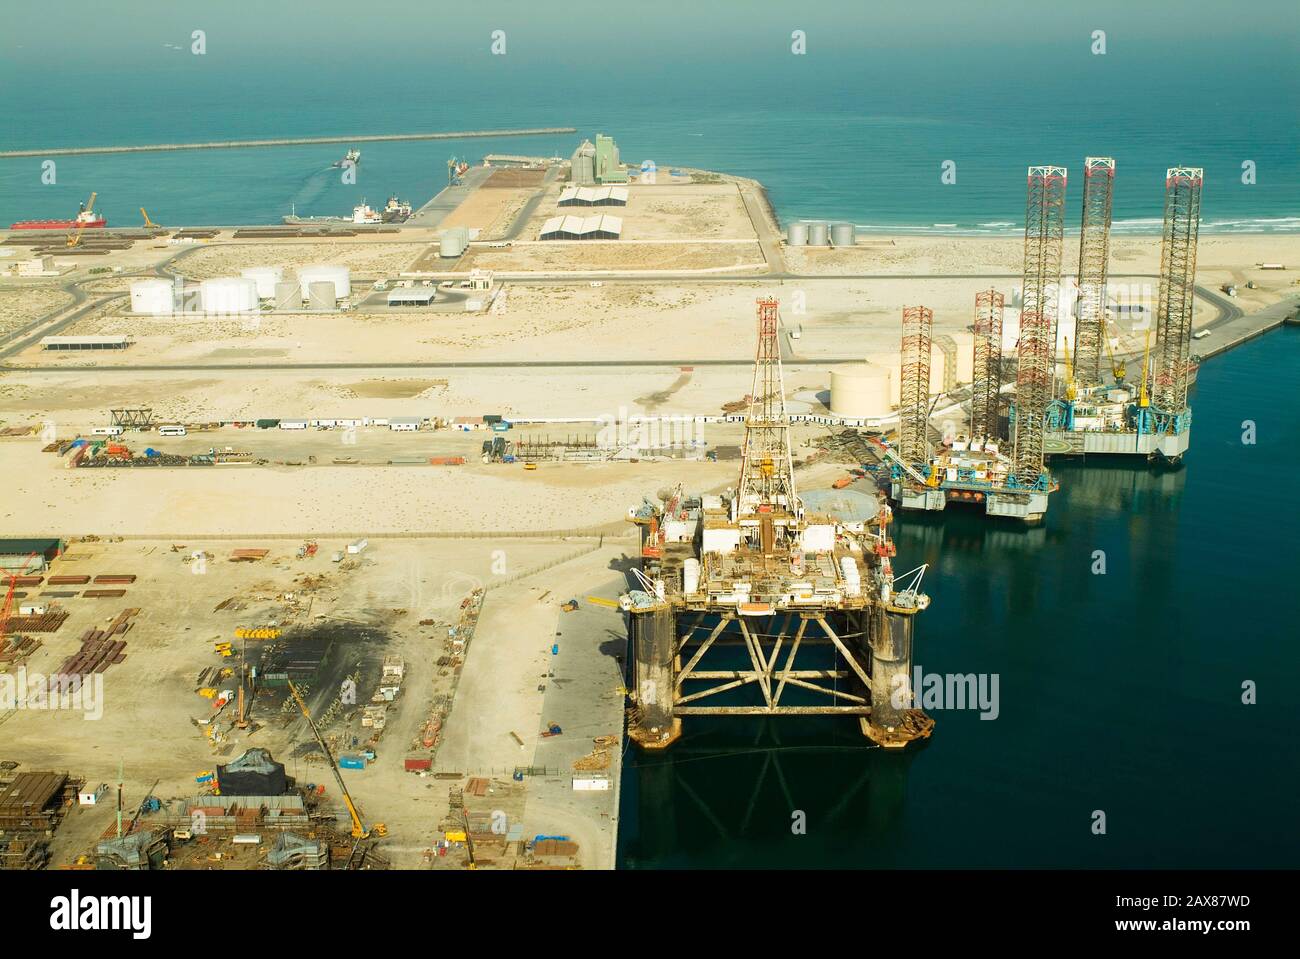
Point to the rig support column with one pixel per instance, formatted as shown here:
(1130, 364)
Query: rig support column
(654, 675)
(892, 710)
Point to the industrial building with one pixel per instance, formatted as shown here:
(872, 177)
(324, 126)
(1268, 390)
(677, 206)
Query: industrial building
(413, 297)
(336, 275)
(608, 167)
(115, 342)
(728, 582)
(29, 555)
(593, 196)
(605, 226)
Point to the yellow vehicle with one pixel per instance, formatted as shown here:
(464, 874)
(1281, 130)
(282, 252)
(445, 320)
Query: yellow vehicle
(530, 466)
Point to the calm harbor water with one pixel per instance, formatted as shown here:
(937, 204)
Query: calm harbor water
(1119, 692)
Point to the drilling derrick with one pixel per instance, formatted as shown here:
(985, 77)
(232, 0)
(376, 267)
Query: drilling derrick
(987, 375)
(748, 606)
(914, 408)
(1177, 278)
(766, 499)
(1036, 358)
(1094, 255)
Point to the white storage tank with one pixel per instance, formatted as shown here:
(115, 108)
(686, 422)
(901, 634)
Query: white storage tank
(152, 296)
(860, 391)
(228, 294)
(843, 234)
(266, 277)
(453, 242)
(818, 234)
(691, 576)
(288, 295)
(320, 295)
(338, 275)
(796, 234)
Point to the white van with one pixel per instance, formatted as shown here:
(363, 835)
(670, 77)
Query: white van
(106, 431)
(176, 430)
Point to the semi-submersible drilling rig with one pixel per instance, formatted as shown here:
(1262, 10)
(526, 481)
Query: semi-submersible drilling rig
(733, 588)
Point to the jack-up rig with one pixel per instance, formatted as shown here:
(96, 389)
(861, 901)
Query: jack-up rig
(734, 587)
(1150, 418)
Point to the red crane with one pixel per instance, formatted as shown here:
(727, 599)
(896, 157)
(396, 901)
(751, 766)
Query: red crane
(9, 597)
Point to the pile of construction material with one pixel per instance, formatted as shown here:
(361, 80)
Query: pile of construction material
(598, 758)
(14, 649)
(99, 649)
(46, 622)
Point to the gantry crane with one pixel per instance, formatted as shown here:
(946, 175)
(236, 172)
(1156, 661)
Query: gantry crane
(359, 830)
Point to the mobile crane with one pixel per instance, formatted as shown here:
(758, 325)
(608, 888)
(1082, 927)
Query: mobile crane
(359, 830)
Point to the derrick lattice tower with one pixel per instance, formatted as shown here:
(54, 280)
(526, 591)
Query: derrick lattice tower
(1177, 279)
(987, 369)
(914, 407)
(1094, 257)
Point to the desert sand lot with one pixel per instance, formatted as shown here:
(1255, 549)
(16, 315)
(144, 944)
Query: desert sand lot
(612, 256)
(20, 305)
(147, 715)
(369, 257)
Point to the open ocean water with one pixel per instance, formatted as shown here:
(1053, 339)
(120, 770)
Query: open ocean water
(1119, 692)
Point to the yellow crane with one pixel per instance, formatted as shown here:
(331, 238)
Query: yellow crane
(359, 830)
(1116, 367)
(1071, 391)
(148, 223)
(83, 215)
(1144, 398)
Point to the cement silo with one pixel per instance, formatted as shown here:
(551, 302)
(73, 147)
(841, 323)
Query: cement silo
(288, 295)
(861, 391)
(228, 294)
(266, 277)
(155, 297)
(320, 295)
(337, 275)
(796, 234)
(843, 234)
(818, 234)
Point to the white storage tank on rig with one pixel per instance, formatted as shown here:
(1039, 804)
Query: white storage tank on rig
(843, 234)
(228, 294)
(320, 295)
(338, 275)
(796, 234)
(288, 295)
(860, 391)
(818, 233)
(152, 296)
(266, 277)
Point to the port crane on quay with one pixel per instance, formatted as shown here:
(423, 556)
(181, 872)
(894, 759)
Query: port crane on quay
(734, 587)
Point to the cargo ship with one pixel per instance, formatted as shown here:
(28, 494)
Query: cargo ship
(352, 159)
(86, 219)
(395, 211)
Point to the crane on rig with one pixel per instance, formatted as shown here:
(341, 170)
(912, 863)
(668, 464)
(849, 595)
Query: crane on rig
(85, 215)
(359, 830)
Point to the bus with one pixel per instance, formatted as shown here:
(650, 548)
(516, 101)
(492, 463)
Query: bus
(174, 430)
(106, 431)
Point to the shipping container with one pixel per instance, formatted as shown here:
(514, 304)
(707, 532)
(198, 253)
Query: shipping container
(351, 762)
(416, 764)
(358, 546)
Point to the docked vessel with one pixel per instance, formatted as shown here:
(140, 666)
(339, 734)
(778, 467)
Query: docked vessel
(362, 214)
(352, 159)
(396, 211)
(85, 219)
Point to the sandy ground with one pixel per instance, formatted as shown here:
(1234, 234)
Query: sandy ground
(326, 500)
(369, 258)
(20, 305)
(611, 256)
(488, 210)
